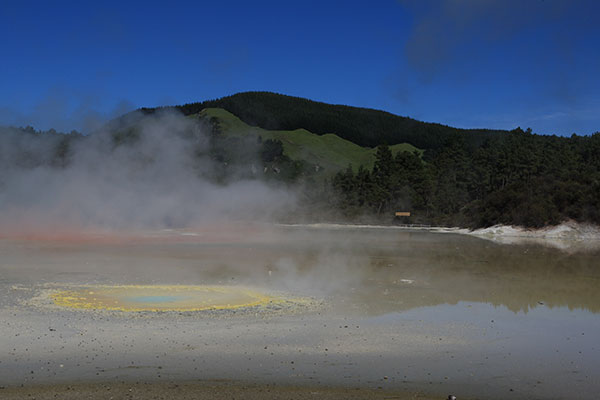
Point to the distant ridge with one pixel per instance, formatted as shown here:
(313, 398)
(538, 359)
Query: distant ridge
(363, 126)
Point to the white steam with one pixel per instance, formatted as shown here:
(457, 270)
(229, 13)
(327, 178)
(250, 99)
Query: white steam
(157, 181)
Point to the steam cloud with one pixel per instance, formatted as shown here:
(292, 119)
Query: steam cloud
(158, 181)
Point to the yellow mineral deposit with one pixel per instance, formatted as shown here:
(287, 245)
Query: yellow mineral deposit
(161, 298)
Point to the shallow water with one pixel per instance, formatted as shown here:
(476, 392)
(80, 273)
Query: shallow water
(400, 309)
(154, 298)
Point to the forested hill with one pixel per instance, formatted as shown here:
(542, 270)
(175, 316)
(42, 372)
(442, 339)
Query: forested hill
(469, 178)
(454, 177)
(363, 126)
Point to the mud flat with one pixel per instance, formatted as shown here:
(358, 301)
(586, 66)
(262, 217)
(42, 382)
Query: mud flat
(200, 391)
(392, 312)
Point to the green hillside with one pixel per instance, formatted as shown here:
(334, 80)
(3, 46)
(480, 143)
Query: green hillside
(363, 126)
(329, 150)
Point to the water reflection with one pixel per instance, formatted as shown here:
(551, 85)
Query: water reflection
(365, 271)
(416, 269)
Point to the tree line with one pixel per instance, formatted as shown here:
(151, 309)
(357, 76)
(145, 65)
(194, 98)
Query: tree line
(518, 178)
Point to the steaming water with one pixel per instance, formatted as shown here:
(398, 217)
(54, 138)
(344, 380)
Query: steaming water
(401, 309)
(155, 299)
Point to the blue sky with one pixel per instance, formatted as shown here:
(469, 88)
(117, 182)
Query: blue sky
(465, 63)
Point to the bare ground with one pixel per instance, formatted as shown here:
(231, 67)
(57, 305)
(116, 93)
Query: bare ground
(199, 391)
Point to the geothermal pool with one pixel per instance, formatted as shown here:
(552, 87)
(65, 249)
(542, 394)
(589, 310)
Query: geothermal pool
(316, 306)
(131, 298)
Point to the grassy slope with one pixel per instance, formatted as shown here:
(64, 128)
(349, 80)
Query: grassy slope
(329, 150)
(363, 126)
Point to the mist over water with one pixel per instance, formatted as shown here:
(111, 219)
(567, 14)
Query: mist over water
(157, 177)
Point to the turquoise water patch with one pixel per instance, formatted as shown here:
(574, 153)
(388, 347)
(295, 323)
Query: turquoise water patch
(160, 298)
(154, 299)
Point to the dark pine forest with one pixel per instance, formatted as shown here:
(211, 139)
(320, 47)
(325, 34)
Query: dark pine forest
(517, 178)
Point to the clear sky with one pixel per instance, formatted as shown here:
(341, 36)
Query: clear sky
(465, 63)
